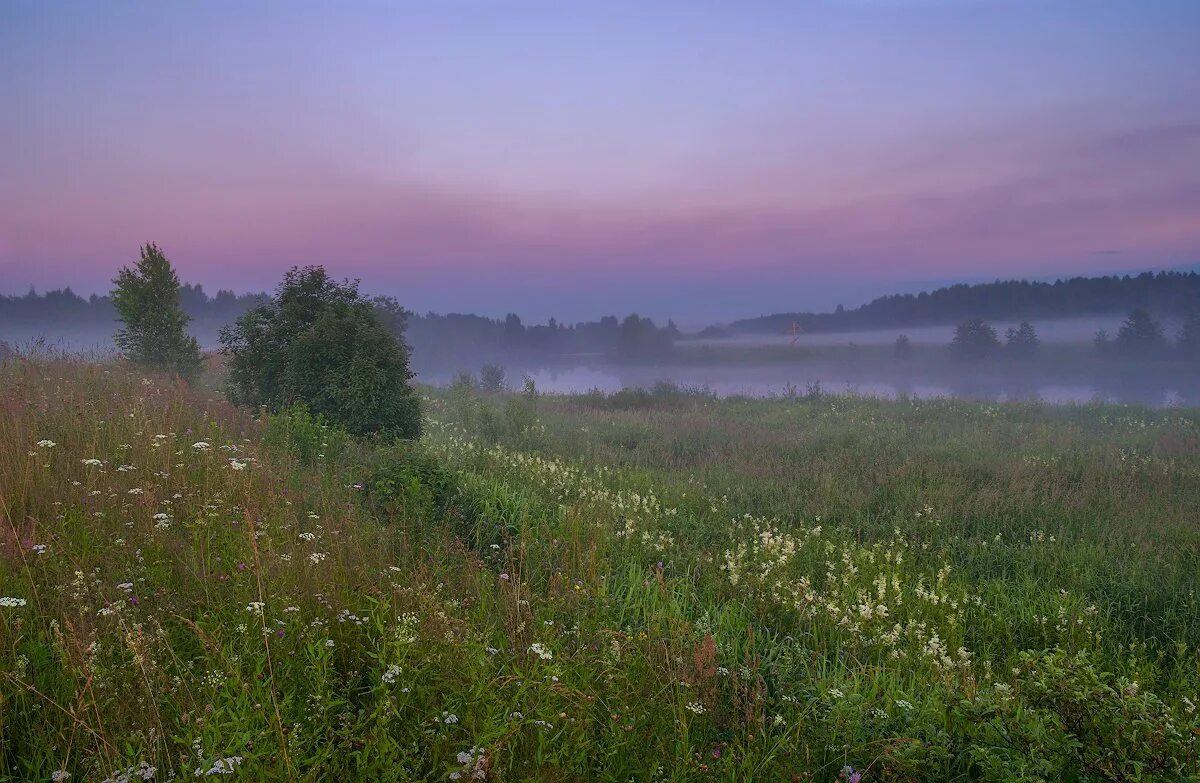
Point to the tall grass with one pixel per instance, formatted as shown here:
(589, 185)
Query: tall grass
(559, 589)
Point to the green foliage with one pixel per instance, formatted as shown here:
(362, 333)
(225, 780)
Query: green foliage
(1061, 717)
(701, 589)
(321, 344)
(407, 477)
(974, 340)
(296, 433)
(154, 335)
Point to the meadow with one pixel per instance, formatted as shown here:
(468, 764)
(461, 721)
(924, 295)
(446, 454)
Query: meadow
(643, 586)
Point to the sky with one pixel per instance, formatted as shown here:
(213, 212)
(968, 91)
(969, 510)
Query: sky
(694, 160)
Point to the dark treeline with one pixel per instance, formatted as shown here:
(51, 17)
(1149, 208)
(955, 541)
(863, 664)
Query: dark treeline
(455, 336)
(65, 307)
(1163, 293)
(434, 337)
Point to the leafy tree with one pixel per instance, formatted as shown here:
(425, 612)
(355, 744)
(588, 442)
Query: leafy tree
(491, 378)
(147, 301)
(902, 348)
(1140, 336)
(1102, 342)
(639, 338)
(1188, 344)
(974, 339)
(320, 343)
(1022, 342)
(514, 331)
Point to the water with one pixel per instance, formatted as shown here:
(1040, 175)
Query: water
(775, 379)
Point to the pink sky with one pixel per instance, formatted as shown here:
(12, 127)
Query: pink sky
(692, 161)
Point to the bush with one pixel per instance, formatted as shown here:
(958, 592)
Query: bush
(902, 348)
(296, 433)
(146, 299)
(974, 340)
(1064, 718)
(407, 477)
(321, 344)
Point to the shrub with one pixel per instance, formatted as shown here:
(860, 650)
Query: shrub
(296, 433)
(902, 348)
(408, 477)
(146, 299)
(321, 344)
(974, 339)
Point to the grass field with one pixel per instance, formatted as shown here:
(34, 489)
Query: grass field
(640, 586)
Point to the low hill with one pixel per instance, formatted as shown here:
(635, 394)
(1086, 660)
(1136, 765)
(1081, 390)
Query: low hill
(1164, 293)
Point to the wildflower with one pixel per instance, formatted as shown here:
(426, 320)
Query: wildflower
(223, 766)
(11, 602)
(541, 651)
(48, 444)
(39, 549)
(126, 586)
(91, 462)
(329, 642)
(696, 707)
(391, 674)
(255, 606)
(136, 491)
(849, 774)
(449, 718)
(59, 776)
(238, 464)
(316, 557)
(143, 771)
(201, 445)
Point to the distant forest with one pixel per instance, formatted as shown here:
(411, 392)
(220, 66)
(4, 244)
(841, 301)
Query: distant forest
(1162, 293)
(449, 339)
(435, 338)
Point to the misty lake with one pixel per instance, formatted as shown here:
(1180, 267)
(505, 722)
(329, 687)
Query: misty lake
(776, 379)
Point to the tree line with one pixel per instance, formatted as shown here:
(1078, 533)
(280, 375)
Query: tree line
(432, 334)
(1140, 336)
(1164, 293)
(316, 343)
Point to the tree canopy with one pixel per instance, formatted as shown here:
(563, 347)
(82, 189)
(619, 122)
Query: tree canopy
(154, 332)
(321, 344)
